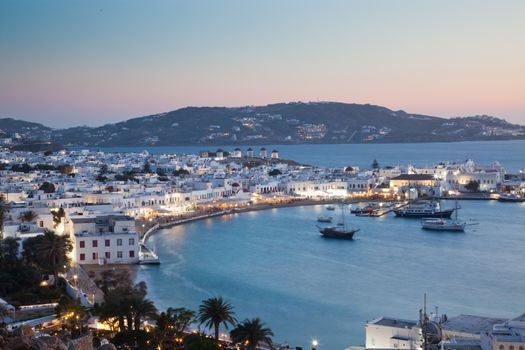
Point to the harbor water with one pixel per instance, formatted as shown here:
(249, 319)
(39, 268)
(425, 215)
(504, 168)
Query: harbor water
(274, 265)
(508, 153)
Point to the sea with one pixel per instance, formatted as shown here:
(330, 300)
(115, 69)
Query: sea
(274, 265)
(510, 154)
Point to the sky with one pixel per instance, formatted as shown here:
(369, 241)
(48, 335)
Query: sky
(66, 62)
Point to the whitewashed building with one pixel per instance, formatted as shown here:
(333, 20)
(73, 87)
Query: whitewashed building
(103, 239)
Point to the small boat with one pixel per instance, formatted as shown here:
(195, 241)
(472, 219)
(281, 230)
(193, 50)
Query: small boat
(427, 210)
(330, 207)
(509, 197)
(323, 218)
(340, 231)
(360, 211)
(337, 232)
(441, 224)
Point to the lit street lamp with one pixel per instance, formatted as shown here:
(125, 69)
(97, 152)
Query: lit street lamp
(315, 343)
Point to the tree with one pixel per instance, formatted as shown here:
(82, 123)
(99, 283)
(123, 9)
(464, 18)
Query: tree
(472, 186)
(180, 172)
(146, 169)
(4, 209)
(214, 311)
(171, 325)
(275, 172)
(65, 169)
(103, 169)
(24, 168)
(47, 187)
(126, 304)
(199, 342)
(101, 178)
(72, 313)
(57, 216)
(28, 216)
(250, 333)
(52, 252)
(375, 164)
(8, 253)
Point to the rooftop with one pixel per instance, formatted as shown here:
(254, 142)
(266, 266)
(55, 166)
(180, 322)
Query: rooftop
(470, 323)
(414, 177)
(393, 322)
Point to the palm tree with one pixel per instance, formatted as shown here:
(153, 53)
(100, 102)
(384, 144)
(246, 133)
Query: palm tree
(52, 250)
(142, 308)
(250, 333)
(4, 209)
(28, 216)
(214, 311)
(171, 325)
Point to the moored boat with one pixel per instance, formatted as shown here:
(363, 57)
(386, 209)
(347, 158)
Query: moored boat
(440, 224)
(509, 197)
(427, 210)
(330, 207)
(340, 231)
(323, 218)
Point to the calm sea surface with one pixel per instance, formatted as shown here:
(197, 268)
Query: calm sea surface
(274, 265)
(510, 154)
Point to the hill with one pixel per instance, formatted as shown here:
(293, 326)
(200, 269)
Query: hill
(282, 123)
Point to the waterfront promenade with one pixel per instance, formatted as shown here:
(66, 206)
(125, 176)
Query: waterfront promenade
(148, 227)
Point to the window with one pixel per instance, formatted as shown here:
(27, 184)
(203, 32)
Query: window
(106, 242)
(82, 244)
(119, 242)
(95, 256)
(132, 241)
(108, 255)
(131, 253)
(521, 347)
(82, 257)
(501, 347)
(119, 255)
(95, 243)
(511, 347)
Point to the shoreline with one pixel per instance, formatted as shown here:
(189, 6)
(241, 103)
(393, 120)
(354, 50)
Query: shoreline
(257, 207)
(203, 215)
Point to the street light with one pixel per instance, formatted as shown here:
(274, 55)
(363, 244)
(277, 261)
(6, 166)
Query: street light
(315, 343)
(75, 277)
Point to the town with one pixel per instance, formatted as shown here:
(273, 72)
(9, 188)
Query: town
(107, 204)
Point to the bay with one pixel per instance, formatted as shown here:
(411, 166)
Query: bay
(511, 154)
(274, 265)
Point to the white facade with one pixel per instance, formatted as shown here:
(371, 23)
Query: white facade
(390, 333)
(104, 239)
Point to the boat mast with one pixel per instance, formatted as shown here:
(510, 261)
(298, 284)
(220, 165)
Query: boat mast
(343, 215)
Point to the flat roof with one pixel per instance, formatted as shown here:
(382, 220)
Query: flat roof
(394, 322)
(414, 177)
(470, 323)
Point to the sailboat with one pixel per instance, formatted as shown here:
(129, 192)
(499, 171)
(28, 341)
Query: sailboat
(339, 231)
(442, 224)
